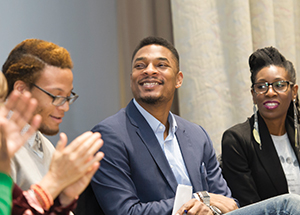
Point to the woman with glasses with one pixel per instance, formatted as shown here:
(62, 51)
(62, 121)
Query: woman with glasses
(260, 157)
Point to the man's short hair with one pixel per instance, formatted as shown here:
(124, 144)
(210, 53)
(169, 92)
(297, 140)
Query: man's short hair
(151, 40)
(28, 59)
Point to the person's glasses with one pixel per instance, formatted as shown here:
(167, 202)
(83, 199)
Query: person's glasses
(59, 100)
(278, 86)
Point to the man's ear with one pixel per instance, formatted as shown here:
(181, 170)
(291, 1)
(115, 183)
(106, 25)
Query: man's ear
(179, 79)
(20, 86)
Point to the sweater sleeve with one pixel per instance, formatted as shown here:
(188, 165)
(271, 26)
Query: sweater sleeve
(26, 202)
(6, 184)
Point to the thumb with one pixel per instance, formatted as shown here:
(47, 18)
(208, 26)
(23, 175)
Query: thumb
(63, 140)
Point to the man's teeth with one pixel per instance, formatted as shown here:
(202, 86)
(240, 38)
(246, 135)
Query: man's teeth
(150, 84)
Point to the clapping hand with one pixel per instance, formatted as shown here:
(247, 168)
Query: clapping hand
(16, 114)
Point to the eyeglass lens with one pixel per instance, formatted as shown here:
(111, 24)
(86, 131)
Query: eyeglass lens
(278, 86)
(61, 100)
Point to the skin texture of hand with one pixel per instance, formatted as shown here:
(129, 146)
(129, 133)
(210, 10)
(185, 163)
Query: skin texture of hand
(15, 114)
(73, 166)
(75, 189)
(194, 207)
(224, 203)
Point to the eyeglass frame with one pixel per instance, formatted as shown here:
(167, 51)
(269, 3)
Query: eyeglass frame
(69, 99)
(289, 83)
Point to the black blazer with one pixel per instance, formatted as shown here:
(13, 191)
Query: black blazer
(254, 174)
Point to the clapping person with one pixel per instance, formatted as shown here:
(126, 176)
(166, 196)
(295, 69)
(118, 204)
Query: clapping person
(71, 168)
(12, 137)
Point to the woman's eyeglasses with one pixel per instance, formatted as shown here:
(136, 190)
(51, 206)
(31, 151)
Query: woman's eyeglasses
(278, 86)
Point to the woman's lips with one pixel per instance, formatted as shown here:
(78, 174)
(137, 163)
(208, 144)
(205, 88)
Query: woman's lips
(270, 105)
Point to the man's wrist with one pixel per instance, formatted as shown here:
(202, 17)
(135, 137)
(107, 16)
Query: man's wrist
(203, 196)
(215, 210)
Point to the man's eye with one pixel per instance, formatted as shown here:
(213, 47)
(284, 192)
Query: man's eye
(139, 66)
(162, 65)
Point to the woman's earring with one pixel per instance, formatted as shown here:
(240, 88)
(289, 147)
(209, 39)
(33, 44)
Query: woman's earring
(295, 122)
(255, 127)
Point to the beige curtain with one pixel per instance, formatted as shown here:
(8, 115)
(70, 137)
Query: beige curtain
(214, 39)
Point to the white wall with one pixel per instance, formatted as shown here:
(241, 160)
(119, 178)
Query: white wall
(88, 30)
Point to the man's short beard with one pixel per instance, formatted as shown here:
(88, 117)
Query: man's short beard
(151, 100)
(47, 131)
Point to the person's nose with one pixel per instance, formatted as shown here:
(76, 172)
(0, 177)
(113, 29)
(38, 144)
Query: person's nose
(150, 69)
(65, 107)
(271, 92)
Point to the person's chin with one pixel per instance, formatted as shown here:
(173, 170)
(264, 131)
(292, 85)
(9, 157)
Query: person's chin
(49, 131)
(150, 99)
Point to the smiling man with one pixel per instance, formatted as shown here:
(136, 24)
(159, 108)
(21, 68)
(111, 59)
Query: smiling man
(149, 151)
(43, 69)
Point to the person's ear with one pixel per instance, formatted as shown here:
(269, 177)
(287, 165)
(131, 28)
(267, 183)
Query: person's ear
(253, 96)
(20, 86)
(295, 91)
(179, 79)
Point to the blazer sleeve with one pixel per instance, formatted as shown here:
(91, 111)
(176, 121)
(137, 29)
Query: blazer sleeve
(211, 174)
(112, 183)
(236, 150)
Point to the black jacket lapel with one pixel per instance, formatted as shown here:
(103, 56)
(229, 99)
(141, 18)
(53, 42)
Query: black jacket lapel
(269, 157)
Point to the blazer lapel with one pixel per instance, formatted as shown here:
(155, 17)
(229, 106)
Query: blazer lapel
(148, 137)
(268, 157)
(191, 160)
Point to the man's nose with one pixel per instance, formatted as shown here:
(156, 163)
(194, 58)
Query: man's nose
(65, 107)
(150, 69)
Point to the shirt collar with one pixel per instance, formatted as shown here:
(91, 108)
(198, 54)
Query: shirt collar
(153, 122)
(31, 141)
